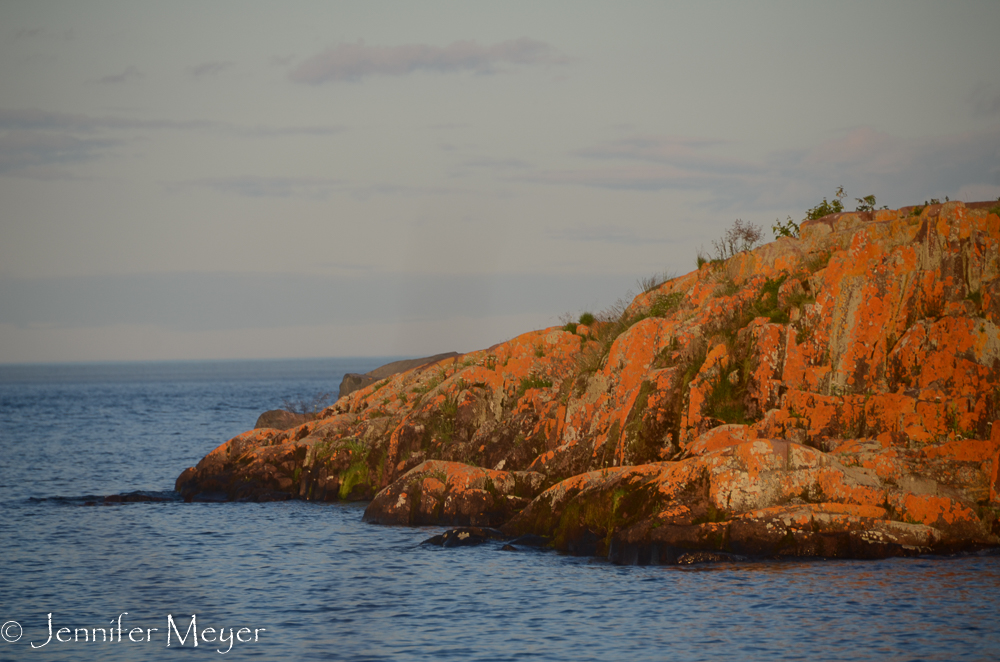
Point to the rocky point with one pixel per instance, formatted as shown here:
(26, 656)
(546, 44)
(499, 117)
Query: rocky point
(831, 395)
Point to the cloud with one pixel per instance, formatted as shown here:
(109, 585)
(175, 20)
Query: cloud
(352, 62)
(26, 150)
(255, 186)
(269, 187)
(653, 163)
(612, 235)
(490, 164)
(673, 150)
(130, 74)
(40, 120)
(208, 69)
(30, 138)
(864, 160)
(23, 119)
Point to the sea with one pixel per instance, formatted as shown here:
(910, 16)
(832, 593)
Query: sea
(84, 580)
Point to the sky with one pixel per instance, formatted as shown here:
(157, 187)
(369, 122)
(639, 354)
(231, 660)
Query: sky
(240, 179)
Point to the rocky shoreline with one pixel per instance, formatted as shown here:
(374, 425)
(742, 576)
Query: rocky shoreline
(831, 395)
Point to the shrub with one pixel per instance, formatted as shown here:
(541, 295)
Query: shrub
(738, 238)
(866, 203)
(787, 229)
(825, 208)
(587, 319)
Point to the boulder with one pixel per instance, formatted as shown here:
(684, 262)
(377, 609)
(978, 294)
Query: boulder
(279, 419)
(450, 493)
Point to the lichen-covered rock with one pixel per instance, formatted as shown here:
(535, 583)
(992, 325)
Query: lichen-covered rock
(450, 493)
(872, 341)
(763, 498)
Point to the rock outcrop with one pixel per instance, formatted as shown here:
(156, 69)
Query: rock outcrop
(352, 381)
(281, 419)
(837, 394)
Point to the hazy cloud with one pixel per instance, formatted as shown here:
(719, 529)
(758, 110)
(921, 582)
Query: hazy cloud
(489, 164)
(255, 186)
(269, 187)
(35, 119)
(612, 235)
(687, 153)
(40, 120)
(33, 149)
(31, 137)
(356, 61)
(865, 161)
(27, 33)
(208, 69)
(130, 74)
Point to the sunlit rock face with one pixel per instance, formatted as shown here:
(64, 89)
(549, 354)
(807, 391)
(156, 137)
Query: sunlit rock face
(837, 394)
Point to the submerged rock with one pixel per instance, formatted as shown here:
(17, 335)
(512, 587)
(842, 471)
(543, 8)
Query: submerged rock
(465, 536)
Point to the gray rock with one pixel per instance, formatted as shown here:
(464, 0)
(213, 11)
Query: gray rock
(279, 419)
(352, 381)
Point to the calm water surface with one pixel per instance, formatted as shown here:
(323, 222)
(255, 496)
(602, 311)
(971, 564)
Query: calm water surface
(324, 586)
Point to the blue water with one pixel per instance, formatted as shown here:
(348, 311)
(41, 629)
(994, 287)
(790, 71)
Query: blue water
(324, 586)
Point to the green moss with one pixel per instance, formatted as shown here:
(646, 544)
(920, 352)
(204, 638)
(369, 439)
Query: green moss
(355, 475)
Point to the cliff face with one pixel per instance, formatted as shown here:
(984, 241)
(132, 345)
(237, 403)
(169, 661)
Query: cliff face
(832, 395)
